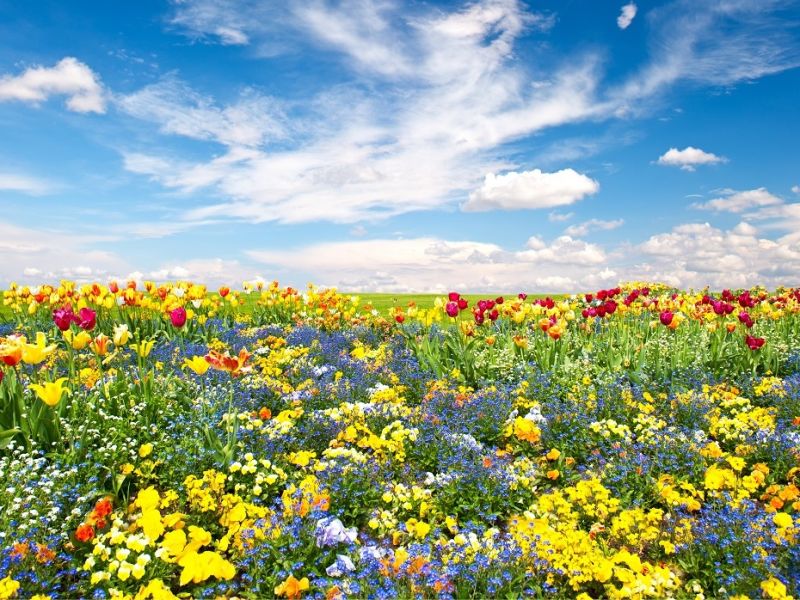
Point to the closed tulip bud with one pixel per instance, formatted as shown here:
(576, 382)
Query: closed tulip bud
(178, 317)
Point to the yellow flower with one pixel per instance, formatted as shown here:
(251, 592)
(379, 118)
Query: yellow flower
(121, 335)
(145, 450)
(774, 589)
(736, 463)
(198, 364)
(292, 587)
(50, 393)
(302, 458)
(199, 567)
(144, 348)
(554, 454)
(78, 341)
(8, 587)
(782, 520)
(33, 354)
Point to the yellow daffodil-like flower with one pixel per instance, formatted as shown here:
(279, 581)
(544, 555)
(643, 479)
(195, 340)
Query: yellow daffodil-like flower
(33, 354)
(79, 340)
(144, 348)
(292, 587)
(198, 364)
(145, 450)
(50, 393)
(121, 335)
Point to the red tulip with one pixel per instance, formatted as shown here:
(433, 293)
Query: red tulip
(499, 300)
(522, 296)
(462, 304)
(453, 296)
(63, 317)
(666, 317)
(754, 343)
(451, 309)
(87, 319)
(178, 317)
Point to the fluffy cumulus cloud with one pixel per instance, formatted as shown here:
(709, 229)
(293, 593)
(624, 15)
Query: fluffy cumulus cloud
(531, 189)
(582, 229)
(69, 77)
(740, 201)
(688, 158)
(689, 255)
(436, 265)
(626, 15)
(699, 254)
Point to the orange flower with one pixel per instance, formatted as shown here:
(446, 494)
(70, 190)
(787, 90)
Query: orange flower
(292, 587)
(235, 365)
(84, 532)
(264, 414)
(553, 475)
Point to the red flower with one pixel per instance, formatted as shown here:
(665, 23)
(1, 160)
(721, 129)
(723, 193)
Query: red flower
(87, 319)
(103, 508)
(63, 317)
(451, 309)
(522, 296)
(453, 296)
(400, 318)
(754, 343)
(462, 304)
(666, 317)
(178, 317)
(84, 532)
(224, 291)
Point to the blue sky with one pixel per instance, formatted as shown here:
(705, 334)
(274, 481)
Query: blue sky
(494, 145)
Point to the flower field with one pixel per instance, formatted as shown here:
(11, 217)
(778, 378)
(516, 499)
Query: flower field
(174, 441)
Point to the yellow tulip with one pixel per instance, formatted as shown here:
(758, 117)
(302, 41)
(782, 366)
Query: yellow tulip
(78, 341)
(121, 335)
(197, 364)
(50, 393)
(33, 354)
(144, 348)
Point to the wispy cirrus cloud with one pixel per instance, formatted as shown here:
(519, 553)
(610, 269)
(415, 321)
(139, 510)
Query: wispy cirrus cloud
(14, 182)
(581, 229)
(436, 96)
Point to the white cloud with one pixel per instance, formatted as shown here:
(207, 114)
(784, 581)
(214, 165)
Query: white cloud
(796, 189)
(582, 229)
(691, 255)
(24, 184)
(712, 43)
(397, 139)
(432, 264)
(696, 255)
(531, 189)
(434, 96)
(738, 202)
(688, 158)
(252, 121)
(69, 77)
(626, 15)
(557, 217)
(49, 255)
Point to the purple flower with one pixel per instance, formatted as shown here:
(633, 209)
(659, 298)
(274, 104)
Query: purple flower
(331, 531)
